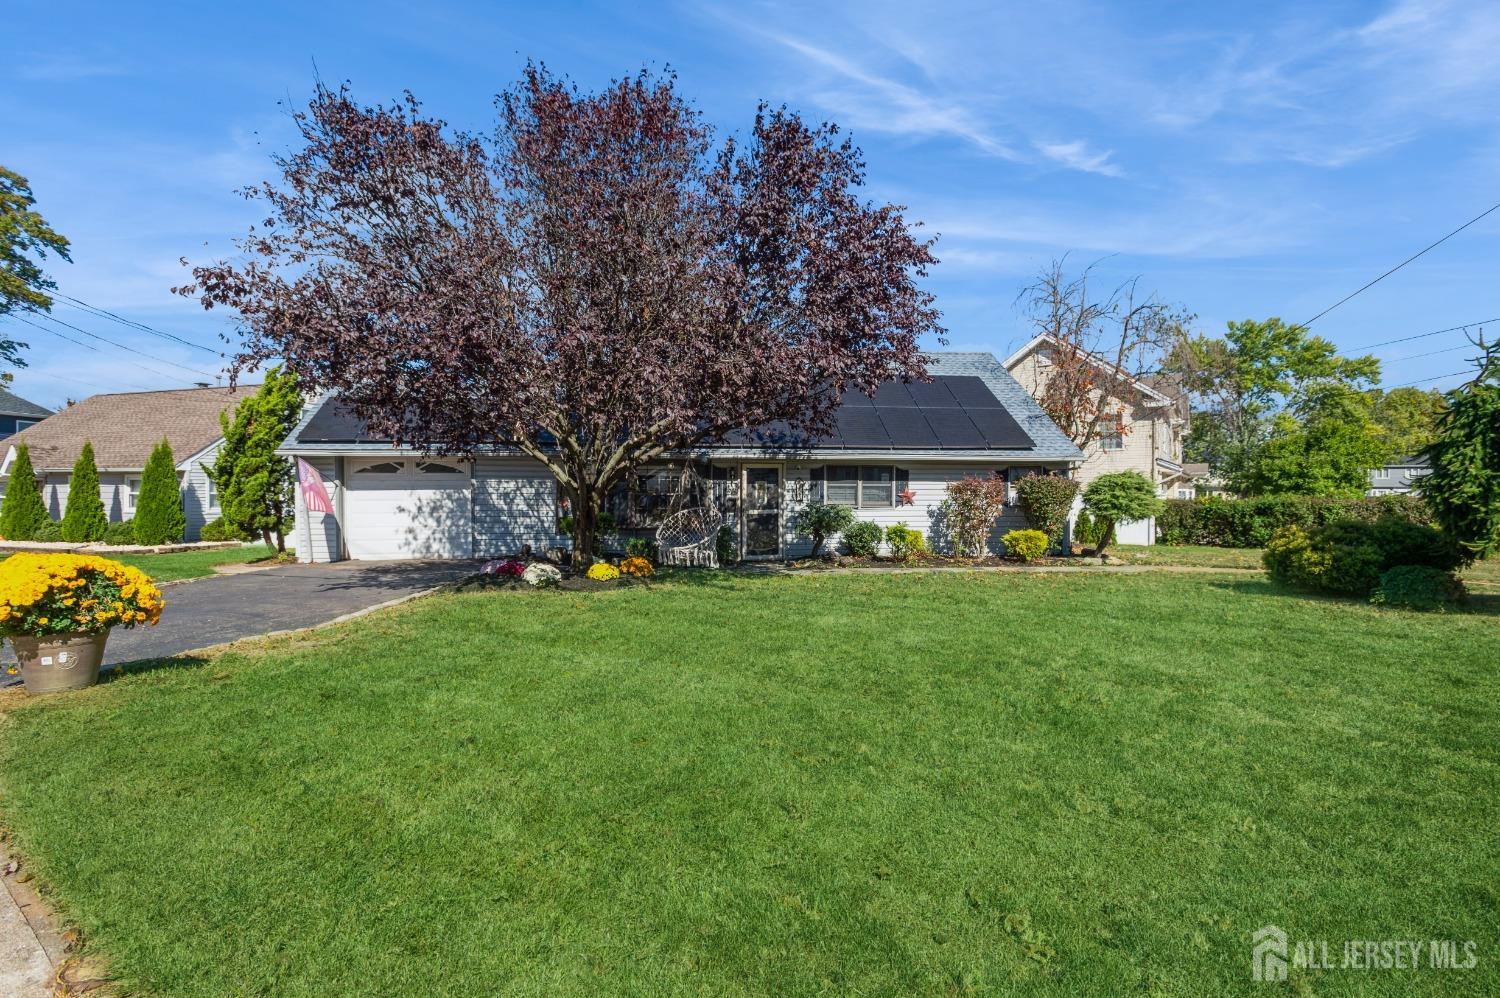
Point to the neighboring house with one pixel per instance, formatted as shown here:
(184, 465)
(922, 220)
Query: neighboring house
(16, 414)
(1146, 438)
(123, 429)
(1398, 477)
(890, 460)
(1204, 482)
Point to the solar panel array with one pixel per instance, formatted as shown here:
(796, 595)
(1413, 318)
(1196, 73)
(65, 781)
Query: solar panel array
(950, 412)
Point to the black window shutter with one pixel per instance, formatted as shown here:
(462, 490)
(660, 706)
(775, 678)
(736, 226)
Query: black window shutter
(902, 477)
(816, 475)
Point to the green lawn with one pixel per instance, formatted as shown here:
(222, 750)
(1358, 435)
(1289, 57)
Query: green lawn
(1165, 554)
(867, 784)
(191, 564)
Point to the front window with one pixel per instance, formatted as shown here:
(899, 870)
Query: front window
(860, 485)
(132, 493)
(213, 492)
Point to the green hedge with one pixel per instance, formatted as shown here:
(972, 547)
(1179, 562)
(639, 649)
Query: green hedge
(1249, 523)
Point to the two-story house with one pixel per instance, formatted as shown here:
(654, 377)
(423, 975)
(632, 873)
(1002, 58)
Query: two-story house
(1147, 435)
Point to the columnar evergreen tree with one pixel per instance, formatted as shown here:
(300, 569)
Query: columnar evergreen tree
(158, 509)
(23, 511)
(255, 485)
(84, 519)
(1464, 487)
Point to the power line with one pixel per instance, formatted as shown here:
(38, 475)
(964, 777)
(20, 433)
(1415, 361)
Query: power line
(1421, 336)
(107, 314)
(90, 346)
(1433, 353)
(1398, 266)
(122, 346)
(1423, 381)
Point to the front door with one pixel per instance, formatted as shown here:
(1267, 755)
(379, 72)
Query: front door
(761, 511)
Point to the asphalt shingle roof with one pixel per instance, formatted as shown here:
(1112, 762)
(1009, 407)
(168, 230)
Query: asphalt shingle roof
(14, 405)
(124, 427)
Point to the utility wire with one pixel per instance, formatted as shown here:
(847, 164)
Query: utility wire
(1422, 336)
(90, 346)
(122, 346)
(1423, 381)
(1398, 266)
(107, 314)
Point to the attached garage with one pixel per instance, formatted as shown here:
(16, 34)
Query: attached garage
(515, 506)
(408, 508)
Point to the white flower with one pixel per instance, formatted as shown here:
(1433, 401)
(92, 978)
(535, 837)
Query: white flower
(542, 574)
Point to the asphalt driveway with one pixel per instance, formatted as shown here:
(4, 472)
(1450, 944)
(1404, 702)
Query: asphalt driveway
(224, 608)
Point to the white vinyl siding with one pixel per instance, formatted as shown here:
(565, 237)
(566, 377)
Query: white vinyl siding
(199, 502)
(928, 483)
(316, 535)
(515, 505)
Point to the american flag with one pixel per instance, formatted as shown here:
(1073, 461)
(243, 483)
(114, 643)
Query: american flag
(313, 493)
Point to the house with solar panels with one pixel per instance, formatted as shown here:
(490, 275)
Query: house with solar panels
(890, 459)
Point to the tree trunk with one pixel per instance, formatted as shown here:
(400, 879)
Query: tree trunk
(585, 528)
(1106, 539)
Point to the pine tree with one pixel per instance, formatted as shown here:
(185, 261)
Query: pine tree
(84, 519)
(254, 483)
(158, 509)
(23, 512)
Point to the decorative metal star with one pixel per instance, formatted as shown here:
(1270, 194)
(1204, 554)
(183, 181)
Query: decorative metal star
(906, 497)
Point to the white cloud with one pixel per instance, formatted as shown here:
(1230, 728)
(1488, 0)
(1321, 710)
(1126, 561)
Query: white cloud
(1076, 155)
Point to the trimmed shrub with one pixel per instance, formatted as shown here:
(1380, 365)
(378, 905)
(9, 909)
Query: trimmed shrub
(904, 541)
(1085, 530)
(221, 530)
(639, 547)
(49, 531)
(1119, 497)
(971, 509)
(159, 518)
(1249, 523)
(821, 520)
(1026, 545)
(1046, 501)
(122, 532)
(84, 519)
(1418, 587)
(725, 547)
(23, 512)
(1350, 557)
(862, 538)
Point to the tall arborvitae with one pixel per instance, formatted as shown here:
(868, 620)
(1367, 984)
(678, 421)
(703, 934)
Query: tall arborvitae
(84, 519)
(23, 512)
(158, 509)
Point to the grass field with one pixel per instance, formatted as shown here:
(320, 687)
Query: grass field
(871, 784)
(1209, 557)
(192, 564)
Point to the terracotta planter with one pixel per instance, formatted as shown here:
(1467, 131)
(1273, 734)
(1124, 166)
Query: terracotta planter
(59, 662)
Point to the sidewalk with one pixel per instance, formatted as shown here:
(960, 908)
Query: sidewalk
(26, 967)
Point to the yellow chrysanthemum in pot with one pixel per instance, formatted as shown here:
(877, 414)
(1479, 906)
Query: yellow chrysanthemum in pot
(58, 609)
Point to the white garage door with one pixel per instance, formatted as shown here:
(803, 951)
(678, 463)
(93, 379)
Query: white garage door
(408, 508)
(515, 506)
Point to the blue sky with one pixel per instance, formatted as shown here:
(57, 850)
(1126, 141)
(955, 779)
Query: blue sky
(1246, 160)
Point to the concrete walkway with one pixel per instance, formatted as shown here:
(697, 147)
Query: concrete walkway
(26, 968)
(221, 608)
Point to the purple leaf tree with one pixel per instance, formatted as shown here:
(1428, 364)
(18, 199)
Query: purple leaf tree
(597, 284)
